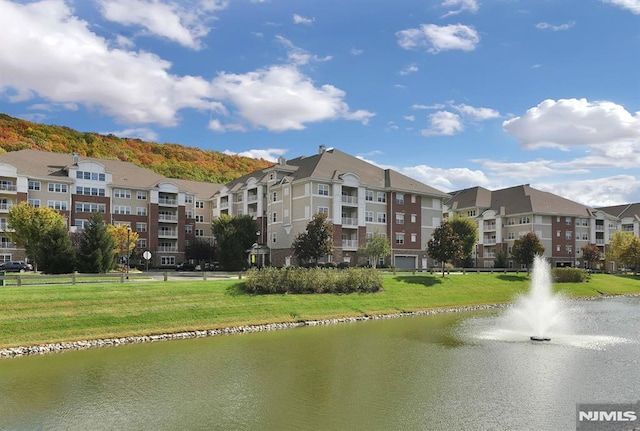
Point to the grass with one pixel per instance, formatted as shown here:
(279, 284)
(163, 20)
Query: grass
(54, 313)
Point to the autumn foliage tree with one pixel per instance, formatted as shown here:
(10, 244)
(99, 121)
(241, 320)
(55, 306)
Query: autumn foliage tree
(590, 254)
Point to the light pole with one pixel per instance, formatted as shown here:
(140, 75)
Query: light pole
(126, 269)
(476, 255)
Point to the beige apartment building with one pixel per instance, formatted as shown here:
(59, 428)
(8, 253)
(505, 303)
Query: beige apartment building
(563, 226)
(166, 213)
(359, 198)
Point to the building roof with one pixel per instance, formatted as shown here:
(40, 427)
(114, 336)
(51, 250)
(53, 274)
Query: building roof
(201, 190)
(332, 164)
(623, 211)
(522, 199)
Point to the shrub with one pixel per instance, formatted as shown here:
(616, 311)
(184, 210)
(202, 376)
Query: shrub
(343, 265)
(569, 275)
(312, 280)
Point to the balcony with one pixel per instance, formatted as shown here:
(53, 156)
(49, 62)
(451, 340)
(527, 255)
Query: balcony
(600, 228)
(168, 201)
(7, 245)
(6, 206)
(8, 188)
(350, 221)
(489, 226)
(167, 233)
(167, 249)
(349, 200)
(488, 241)
(168, 218)
(224, 204)
(600, 241)
(350, 243)
(252, 198)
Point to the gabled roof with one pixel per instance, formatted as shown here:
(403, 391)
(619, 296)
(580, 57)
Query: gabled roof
(202, 190)
(623, 211)
(522, 199)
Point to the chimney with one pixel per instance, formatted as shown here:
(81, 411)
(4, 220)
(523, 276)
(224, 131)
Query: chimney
(321, 149)
(282, 160)
(75, 158)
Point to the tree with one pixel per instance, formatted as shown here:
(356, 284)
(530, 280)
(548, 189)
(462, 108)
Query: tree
(467, 230)
(56, 252)
(316, 241)
(95, 253)
(526, 248)
(445, 245)
(200, 250)
(234, 236)
(375, 248)
(501, 259)
(624, 248)
(124, 240)
(30, 226)
(591, 253)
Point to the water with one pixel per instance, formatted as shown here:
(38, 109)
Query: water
(421, 373)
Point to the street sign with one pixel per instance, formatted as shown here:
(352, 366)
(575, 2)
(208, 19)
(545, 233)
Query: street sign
(147, 255)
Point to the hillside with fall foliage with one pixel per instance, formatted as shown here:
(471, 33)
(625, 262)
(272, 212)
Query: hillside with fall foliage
(169, 160)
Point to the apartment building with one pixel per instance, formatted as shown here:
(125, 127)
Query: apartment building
(504, 215)
(166, 213)
(359, 198)
(628, 217)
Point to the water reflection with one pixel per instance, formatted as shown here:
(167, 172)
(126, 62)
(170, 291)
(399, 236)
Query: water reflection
(427, 372)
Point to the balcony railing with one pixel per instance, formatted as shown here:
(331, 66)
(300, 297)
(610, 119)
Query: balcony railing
(8, 188)
(599, 227)
(349, 221)
(6, 206)
(489, 226)
(600, 241)
(167, 249)
(167, 217)
(167, 234)
(224, 205)
(167, 201)
(351, 200)
(252, 198)
(7, 245)
(349, 243)
(488, 241)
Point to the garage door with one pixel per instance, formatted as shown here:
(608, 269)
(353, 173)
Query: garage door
(406, 262)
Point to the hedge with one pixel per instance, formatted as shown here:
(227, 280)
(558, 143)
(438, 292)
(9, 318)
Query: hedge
(313, 280)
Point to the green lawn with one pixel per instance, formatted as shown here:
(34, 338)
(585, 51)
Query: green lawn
(53, 313)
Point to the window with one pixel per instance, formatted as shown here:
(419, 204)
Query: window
(525, 220)
(167, 260)
(511, 235)
(323, 210)
(239, 198)
(274, 217)
(34, 185)
(400, 198)
(471, 213)
(511, 222)
(414, 218)
(81, 223)
(585, 236)
(274, 237)
(57, 188)
(200, 204)
(122, 193)
(34, 203)
(286, 191)
(568, 249)
(121, 209)
(274, 196)
(87, 207)
(399, 218)
(189, 213)
(239, 213)
(141, 195)
(382, 218)
(90, 191)
(568, 234)
(323, 189)
(94, 176)
(399, 238)
(368, 195)
(141, 243)
(382, 197)
(567, 221)
(141, 227)
(199, 219)
(558, 248)
(199, 232)
(368, 216)
(188, 229)
(414, 237)
(558, 232)
(57, 205)
(141, 211)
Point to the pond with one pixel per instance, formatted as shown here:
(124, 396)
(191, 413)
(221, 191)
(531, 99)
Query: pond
(438, 372)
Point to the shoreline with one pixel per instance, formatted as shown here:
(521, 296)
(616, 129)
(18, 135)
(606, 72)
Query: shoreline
(42, 349)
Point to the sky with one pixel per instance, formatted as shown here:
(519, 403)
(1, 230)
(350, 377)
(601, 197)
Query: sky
(453, 93)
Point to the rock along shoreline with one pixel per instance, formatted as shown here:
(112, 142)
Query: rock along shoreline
(41, 349)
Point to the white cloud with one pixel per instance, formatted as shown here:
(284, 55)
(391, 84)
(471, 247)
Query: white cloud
(443, 123)
(412, 68)
(569, 123)
(217, 126)
(597, 192)
(356, 51)
(439, 38)
(526, 171)
(561, 27)
(410, 117)
(299, 56)
(143, 133)
(182, 22)
(463, 5)
(281, 98)
(446, 180)
(631, 5)
(133, 87)
(477, 113)
(269, 154)
(424, 107)
(298, 19)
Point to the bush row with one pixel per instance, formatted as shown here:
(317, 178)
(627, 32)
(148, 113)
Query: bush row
(569, 275)
(313, 280)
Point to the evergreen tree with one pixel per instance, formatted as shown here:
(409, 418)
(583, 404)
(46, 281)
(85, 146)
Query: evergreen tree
(234, 236)
(56, 253)
(96, 251)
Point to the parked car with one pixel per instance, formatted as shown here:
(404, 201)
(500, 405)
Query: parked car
(16, 266)
(186, 266)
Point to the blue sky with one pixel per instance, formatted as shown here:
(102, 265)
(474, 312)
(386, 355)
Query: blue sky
(455, 93)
